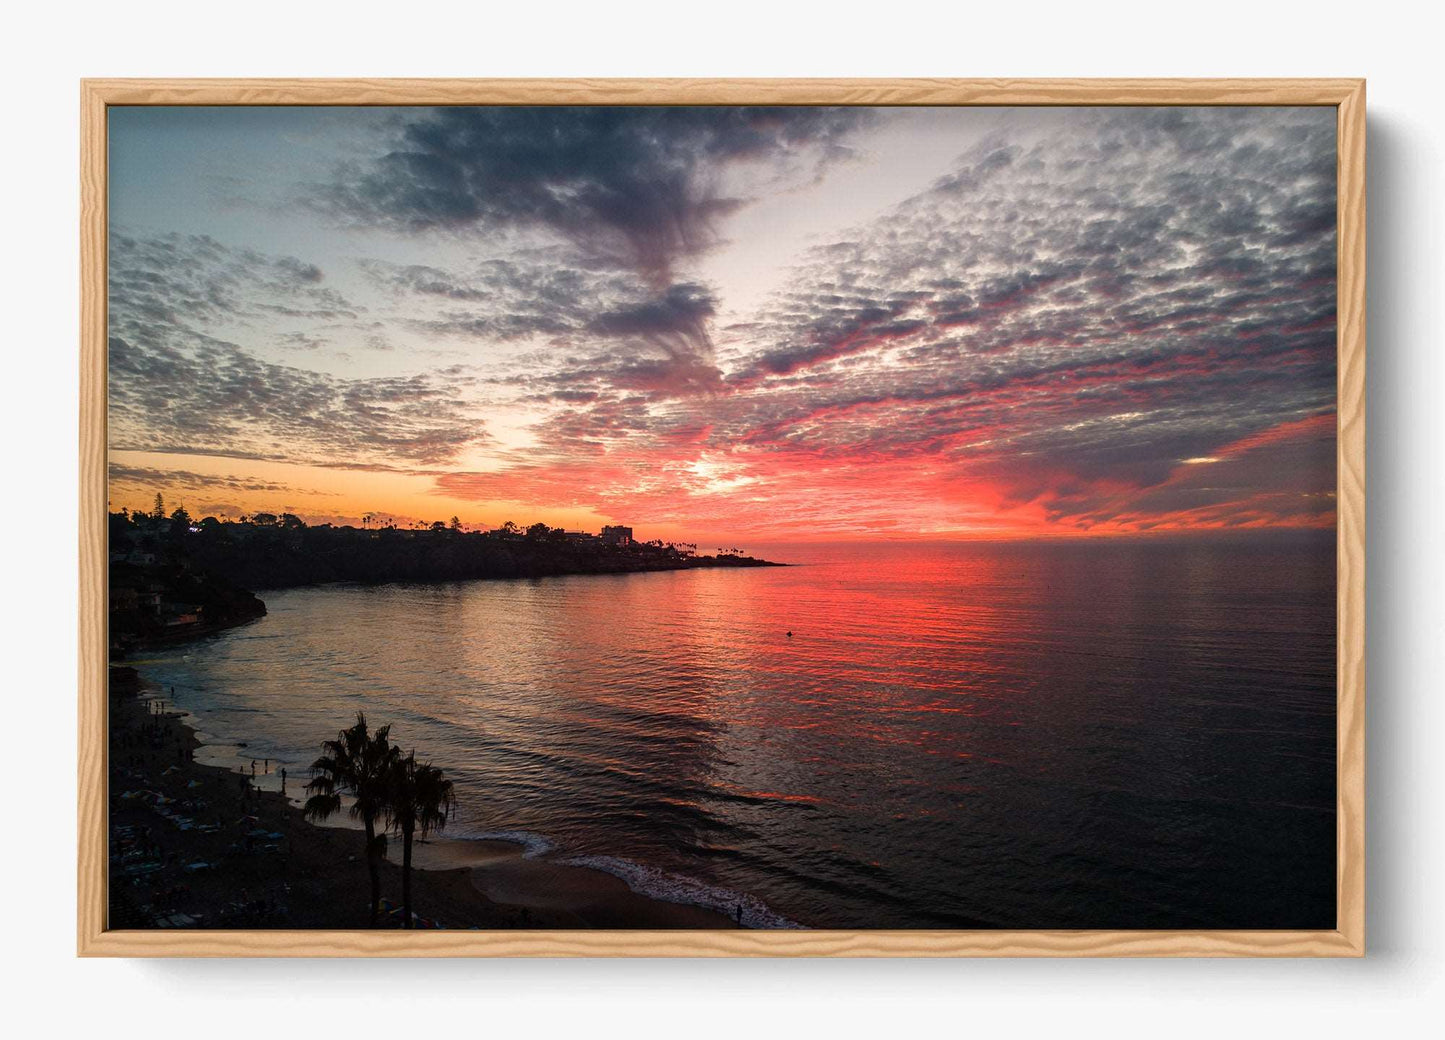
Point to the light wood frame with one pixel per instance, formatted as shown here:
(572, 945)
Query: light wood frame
(1347, 939)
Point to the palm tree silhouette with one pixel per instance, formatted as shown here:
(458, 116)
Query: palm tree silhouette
(358, 763)
(419, 800)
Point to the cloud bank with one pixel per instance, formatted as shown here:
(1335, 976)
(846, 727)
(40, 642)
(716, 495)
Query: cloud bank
(644, 186)
(1043, 337)
(177, 385)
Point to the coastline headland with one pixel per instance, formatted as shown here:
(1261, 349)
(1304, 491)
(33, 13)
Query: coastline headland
(267, 559)
(174, 578)
(271, 552)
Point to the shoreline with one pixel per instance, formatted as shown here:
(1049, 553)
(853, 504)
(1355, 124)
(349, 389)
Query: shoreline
(649, 567)
(541, 575)
(197, 845)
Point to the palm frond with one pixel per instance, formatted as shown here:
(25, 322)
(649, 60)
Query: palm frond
(420, 797)
(321, 806)
(435, 799)
(356, 763)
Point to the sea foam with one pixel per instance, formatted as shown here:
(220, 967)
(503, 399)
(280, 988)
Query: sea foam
(675, 888)
(533, 845)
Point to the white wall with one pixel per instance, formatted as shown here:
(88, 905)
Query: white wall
(49, 47)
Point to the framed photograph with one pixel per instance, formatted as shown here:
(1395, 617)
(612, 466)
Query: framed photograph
(722, 518)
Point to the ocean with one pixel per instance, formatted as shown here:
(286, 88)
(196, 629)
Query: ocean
(1081, 733)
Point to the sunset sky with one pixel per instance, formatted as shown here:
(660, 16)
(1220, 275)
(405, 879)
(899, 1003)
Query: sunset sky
(728, 323)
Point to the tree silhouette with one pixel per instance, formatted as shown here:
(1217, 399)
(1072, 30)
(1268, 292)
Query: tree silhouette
(419, 801)
(359, 763)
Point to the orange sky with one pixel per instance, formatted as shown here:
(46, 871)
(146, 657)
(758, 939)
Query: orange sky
(764, 498)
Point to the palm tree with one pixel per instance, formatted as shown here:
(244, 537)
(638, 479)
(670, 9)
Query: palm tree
(358, 763)
(419, 802)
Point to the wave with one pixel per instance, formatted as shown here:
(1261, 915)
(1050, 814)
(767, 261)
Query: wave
(675, 888)
(533, 845)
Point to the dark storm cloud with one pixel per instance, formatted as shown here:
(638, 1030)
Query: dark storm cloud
(678, 358)
(531, 293)
(604, 328)
(643, 185)
(680, 313)
(176, 381)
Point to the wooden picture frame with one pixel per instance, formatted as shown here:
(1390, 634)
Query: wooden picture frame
(1347, 939)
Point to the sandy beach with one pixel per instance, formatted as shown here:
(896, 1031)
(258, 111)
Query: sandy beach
(198, 846)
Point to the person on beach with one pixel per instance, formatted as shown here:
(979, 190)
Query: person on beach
(253, 767)
(283, 779)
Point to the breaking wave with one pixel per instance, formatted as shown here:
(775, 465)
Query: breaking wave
(674, 888)
(533, 845)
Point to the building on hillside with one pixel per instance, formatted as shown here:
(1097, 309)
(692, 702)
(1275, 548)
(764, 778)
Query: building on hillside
(182, 615)
(616, 535)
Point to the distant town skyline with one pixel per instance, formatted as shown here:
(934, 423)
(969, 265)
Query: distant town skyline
(714, 324)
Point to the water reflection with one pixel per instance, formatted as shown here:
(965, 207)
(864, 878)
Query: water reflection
(1069, 735)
